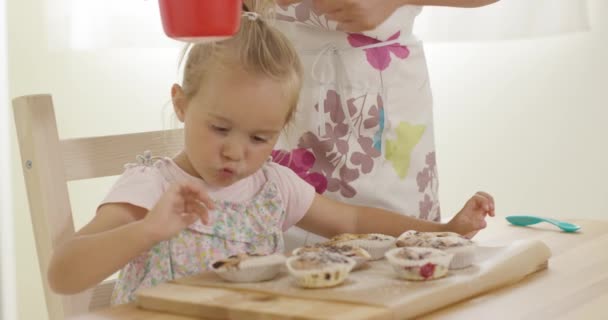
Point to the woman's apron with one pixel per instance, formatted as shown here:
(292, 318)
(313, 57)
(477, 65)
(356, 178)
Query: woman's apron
(365, 112)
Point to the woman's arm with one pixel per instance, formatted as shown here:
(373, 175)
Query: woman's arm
(398, 3)
(363, 15)
(449, 3)
(327, 218)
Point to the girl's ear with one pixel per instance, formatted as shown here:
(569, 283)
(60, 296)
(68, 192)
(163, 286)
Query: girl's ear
(180, 103)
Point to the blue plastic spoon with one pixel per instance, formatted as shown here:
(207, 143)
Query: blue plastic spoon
(528, 220)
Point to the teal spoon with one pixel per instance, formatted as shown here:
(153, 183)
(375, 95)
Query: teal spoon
(528, 220)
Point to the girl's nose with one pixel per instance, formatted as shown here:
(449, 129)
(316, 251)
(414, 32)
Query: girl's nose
(233, 150)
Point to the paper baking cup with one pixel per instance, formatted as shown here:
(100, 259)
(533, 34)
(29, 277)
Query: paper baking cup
(463, 256)
(411, 269)
(414, 238)
(462, 248)
(253, 269)
(375, 248)
(361, 257)
(328, 276)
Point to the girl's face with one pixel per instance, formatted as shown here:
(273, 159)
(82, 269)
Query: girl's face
(231, 125)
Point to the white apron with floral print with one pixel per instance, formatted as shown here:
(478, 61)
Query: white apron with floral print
(365, 112)
(253, 227)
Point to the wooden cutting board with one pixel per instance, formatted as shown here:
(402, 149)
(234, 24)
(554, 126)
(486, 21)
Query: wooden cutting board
(215, 303)
(373, 293)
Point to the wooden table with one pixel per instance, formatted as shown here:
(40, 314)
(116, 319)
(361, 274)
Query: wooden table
(575, 286)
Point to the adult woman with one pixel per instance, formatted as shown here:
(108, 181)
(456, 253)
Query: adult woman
(365, 120)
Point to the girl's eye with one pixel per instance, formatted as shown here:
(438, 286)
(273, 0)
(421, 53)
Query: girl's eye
(259, 139)
(219, 129)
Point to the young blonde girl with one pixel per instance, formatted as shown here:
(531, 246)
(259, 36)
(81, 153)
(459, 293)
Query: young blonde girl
(171, 217)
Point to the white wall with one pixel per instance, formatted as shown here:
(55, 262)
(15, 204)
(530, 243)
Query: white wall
(525, 120)
(520, 119)
(7, 281)
(98, 92)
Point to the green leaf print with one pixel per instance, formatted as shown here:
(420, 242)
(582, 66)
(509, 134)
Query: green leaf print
(398, 151)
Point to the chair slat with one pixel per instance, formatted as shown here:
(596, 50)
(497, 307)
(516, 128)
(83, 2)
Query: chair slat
(87, 158)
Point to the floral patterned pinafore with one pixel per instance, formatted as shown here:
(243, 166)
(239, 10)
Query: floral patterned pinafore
(252, 227)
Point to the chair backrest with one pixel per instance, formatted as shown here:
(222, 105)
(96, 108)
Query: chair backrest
(49, 163)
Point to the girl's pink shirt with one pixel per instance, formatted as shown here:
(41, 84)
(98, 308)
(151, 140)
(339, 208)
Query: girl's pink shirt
(143, 185)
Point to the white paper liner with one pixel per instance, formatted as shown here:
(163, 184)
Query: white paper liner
(463, 256)
(253, 269)
(463, 249)
(360, 255)
(376, 248)
(428, 235)
(413, 238)
(328, 276)
(409, 269)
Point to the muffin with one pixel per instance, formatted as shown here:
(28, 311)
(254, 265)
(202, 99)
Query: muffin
(248, 267)
(319, 269)
(360, 255)
(375, 244)
(419, 264)
(462, 248)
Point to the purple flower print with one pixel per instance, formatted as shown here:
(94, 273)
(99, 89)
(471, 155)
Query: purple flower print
(427, 182)
(423, 179)
(341, 156)
(379, 57)
(425, 206)
(301, 161)
(304, 12)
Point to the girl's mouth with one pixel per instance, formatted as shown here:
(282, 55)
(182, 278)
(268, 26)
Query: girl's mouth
(226, 173)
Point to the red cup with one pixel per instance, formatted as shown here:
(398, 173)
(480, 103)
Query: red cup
(200, 20)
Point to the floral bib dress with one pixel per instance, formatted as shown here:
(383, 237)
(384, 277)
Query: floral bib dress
(253, 226)
(365, 113)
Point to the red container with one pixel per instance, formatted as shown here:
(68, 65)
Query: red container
(200, 20)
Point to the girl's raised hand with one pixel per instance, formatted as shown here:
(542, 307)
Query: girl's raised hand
(181, 205)
(472, 217)
(353, 15)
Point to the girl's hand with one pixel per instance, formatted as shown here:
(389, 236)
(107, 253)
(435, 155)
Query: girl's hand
(472, 217)
(354, 15)
(179, 206)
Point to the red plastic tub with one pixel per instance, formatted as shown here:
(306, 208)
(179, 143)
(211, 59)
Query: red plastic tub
(200, 20)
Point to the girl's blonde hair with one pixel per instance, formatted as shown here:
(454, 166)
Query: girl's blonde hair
(258, 48)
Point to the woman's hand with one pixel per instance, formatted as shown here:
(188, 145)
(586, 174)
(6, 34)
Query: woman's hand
(354, 15)
(181, 205)
(472, 217)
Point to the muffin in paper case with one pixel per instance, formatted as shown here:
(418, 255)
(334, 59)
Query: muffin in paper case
(412, 235)
(360, 255)
(418, 263)
(248, 268)
(375, 244)
(319, 269)
(462, 248)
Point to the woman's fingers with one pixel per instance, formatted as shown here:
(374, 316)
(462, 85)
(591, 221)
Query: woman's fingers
(287, 2)
(338, 16)
(328, 6)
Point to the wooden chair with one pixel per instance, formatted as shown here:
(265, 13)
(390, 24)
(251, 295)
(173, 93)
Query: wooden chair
(49, 163)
